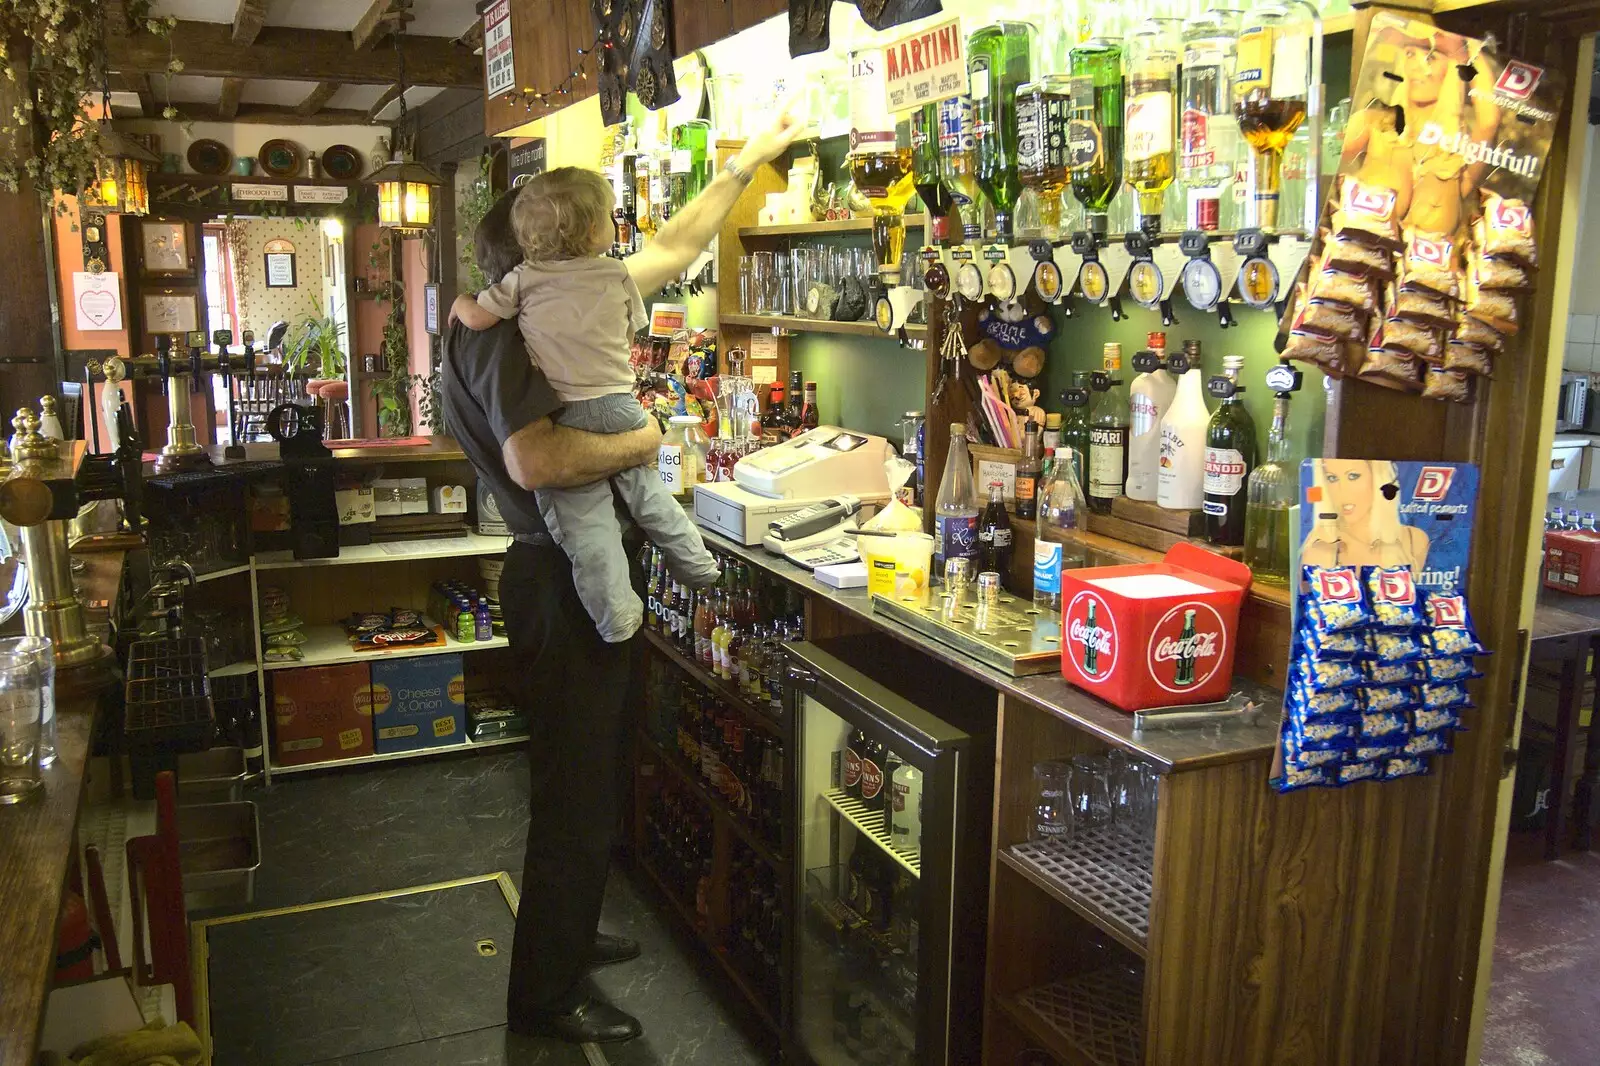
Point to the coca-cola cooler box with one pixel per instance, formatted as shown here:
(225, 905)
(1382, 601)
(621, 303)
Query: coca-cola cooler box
(1572, 562)
(321, 714)
(1153, 634)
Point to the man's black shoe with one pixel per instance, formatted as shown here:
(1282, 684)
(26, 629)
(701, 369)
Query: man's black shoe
(608, 949)
(591, 1021)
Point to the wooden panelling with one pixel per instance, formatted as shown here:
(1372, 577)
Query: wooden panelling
(545, 38)
(695, 25)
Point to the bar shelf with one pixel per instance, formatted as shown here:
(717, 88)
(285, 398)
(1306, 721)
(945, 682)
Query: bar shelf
(1103, 875)
(1092, 1019)
(715, 804)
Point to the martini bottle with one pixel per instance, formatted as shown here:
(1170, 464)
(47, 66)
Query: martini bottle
(1149, 130)
(999, 62)
(1094, 132)
(936, 201)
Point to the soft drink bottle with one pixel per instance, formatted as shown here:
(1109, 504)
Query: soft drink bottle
(1062, 520)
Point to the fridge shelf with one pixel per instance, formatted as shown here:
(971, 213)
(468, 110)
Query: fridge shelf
(716, 804)
(870, 824)
(1091, 1018)
(724, 690)
(1103, 875)
(834, 931)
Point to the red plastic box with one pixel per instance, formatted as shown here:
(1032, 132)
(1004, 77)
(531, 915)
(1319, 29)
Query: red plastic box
(1572, 562)
(1154, 634)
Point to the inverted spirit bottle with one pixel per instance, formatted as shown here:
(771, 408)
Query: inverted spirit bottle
(1208, 133)
(1271, 87)
(1230, 456)
(692, 137)
(1043, 110)
(1149, 130)
(880, 159)
(1108, 434)
(936, 200)
(1075, 425)
(958, 168)
(999, 62)
(1270, 492)
(1094, 133)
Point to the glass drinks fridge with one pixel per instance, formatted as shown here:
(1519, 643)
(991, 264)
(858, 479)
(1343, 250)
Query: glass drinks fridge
(1272, 89)
(880, 160)
(890, 889)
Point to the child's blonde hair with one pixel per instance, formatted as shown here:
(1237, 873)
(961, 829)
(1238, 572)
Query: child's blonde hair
(557, 211)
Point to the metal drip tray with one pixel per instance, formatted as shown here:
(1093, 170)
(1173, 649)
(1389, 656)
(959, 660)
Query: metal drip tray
(1010, 635)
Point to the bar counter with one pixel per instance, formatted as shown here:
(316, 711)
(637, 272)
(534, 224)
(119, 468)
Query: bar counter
(1187, 748)
(36, 843)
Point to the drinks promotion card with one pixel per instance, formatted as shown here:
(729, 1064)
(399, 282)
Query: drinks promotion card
(1375, 512)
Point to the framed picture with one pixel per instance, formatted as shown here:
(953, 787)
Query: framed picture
(430, 307)
(280, 270)
(171, 312)
(165, 249)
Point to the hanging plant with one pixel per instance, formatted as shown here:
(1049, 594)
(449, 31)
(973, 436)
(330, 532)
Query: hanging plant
(475, 203)
(53, 54)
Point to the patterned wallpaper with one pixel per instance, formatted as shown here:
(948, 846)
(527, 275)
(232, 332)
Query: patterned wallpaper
(260, 306)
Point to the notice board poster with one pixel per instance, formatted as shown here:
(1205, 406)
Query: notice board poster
(499, 66)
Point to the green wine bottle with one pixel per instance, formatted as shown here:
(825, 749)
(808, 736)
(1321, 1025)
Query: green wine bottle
(999, 62)
(1094, 140)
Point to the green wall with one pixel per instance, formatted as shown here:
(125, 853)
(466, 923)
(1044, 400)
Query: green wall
(862, 382)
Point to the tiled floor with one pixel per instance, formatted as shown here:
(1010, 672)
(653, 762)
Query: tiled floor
(329, 836)
(1544, 992)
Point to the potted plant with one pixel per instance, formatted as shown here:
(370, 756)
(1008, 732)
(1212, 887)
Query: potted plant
(316, 348)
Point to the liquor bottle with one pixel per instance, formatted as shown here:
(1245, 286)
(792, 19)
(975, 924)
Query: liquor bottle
(1180, 486)
(873, 757)
(644, 212)
(994, 536)
(1271, 85)
(905, 811)
(1052, 433)
(1149, 130)
(680, 176)
(1075, 424)
(999, 62)
(1094, 137)
(1058, 542)
(693, 137)
(772, 419)
(1209, 134)
(704, 623)
(937, 203)
(1230, 456)
(1108, 433)
(625, 211)
(791, 416)
(958, 167)
(1272, 490)
(1149, 397)
(1027, 479)
(809, 419)
(956, 510)
(880, 159)
(1043, 110)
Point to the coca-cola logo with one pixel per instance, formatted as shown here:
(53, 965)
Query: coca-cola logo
(871, 779)
(1091, 643)
(1187, 646)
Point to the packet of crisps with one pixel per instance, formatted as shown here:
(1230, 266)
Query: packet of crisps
(1319, 734)
(1396, 603)
(1297, 757)
(1405, 766)
(1320, 675)
(1346, 646)
(1382, 700)
(1506, 228)
(1311, 777)
(1431, 262)
(1450, 626)
(1375, 724)
(1310, 704)
(1335, 601)
(1442, 384)
(1429, 719)
(1352, 772)
(1450, 668)
(1398, 647)
(1447, 694)
(1367, 213)
(1377, 752)
(1382, 675)
(1436, 742)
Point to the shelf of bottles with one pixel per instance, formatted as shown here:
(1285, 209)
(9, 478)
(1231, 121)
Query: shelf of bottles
(1093, 1018)
(721, 754)
(872, 822)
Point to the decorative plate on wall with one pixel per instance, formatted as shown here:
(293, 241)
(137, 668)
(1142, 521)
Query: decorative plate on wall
(279, 158)
(209, 157)
(341, 162)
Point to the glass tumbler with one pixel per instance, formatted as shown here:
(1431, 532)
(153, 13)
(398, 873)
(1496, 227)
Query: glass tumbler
(1052, 804)
(765, 283)
(43, 653)
(21, 702)
(1091, 792)
(747, 285)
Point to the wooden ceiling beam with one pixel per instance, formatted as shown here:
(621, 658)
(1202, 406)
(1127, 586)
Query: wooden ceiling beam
(287, 116)
(248, 20)
(140, 85)
(316, 98)
(207, 49)
(228, 98)
(390, 95)
(381, 19)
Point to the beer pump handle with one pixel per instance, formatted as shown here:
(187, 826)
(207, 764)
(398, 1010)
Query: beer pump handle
(163, 359)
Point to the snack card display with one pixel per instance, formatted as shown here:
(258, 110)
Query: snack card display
(1427, 237)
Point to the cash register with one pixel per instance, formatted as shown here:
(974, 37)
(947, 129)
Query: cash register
(834, 475)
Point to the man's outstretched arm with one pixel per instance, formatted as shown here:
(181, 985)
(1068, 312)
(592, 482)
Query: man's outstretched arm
(543, 455)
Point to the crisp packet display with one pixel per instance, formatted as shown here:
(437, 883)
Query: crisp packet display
(1335, 598)
(1396, 604)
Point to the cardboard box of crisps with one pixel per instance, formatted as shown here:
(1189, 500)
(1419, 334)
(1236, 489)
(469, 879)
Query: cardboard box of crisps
(1153, 634)
(1572, 562)
(321, 714)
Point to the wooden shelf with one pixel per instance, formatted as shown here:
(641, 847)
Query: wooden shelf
(397, 756)
(726, 691)
(815, 325)
(1093, 1019)
(214, 575)
(716, 805)
(689, 919)
(1102, 876)
(246, 666)
(822, 229)
(327, 644)
(394, 551)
